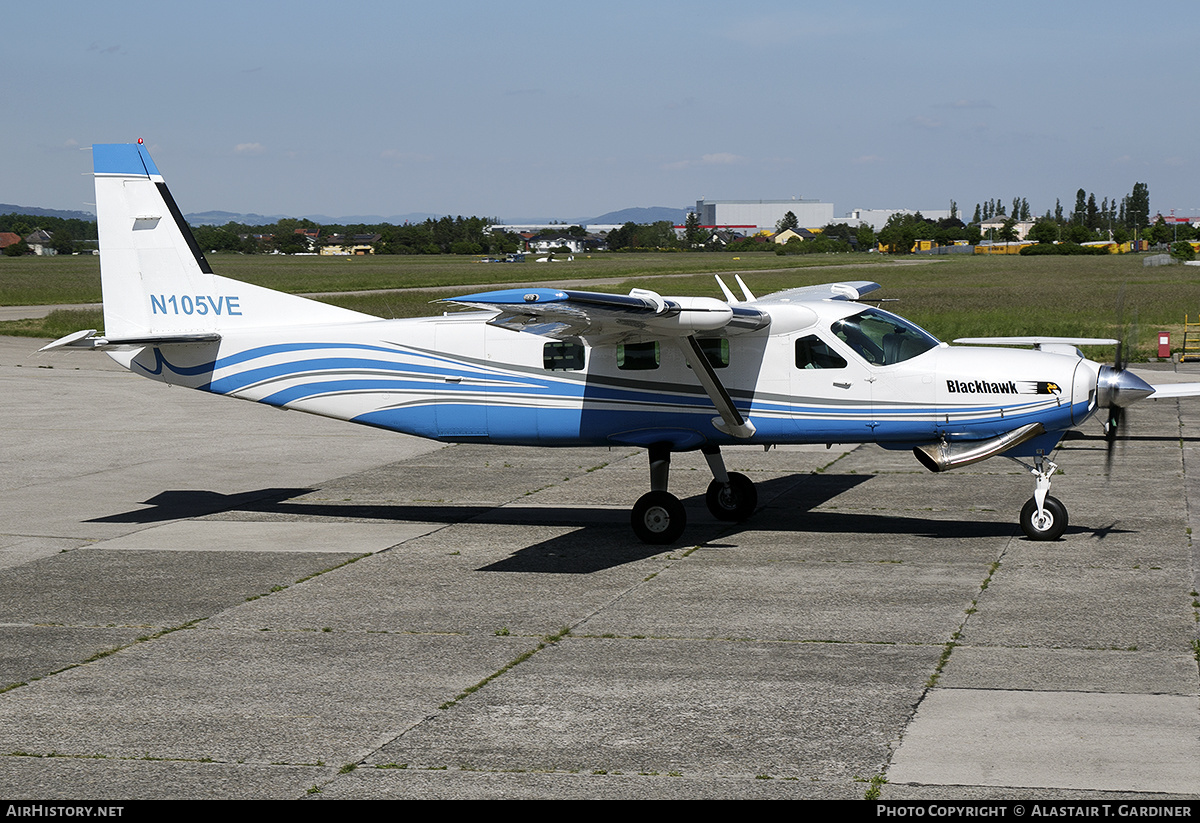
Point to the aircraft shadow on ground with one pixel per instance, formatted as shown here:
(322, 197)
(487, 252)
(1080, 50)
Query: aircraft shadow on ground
(599, 538)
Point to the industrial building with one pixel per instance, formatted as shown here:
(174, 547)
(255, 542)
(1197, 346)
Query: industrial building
(750, 216)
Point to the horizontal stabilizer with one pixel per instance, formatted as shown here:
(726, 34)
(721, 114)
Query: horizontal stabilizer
(86, 341)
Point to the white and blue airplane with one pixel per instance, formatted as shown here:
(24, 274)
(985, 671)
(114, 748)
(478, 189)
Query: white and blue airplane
(560, 367)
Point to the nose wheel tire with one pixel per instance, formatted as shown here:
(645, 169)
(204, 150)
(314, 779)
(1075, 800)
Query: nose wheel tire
(658, 518)
(733, 501)
(1050, 525)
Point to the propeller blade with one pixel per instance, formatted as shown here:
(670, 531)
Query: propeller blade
(1112, 425)
(1119, 387)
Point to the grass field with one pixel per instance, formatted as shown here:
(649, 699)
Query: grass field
(37, 281)
(952, 296)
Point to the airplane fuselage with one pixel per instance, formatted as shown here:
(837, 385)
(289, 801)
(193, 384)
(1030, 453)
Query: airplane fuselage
(455, 378)
(543, 366)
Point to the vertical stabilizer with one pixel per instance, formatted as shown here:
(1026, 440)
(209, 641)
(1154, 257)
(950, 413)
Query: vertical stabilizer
(155, 279)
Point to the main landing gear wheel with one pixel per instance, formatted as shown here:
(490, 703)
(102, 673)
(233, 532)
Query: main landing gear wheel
(658, 518)
(1050, 525)
(733, 501)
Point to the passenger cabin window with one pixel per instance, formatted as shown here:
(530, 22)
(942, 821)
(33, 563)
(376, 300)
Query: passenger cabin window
(883, 339)
(716, 351)
(814, 353)
(637, 356)
(562, 356)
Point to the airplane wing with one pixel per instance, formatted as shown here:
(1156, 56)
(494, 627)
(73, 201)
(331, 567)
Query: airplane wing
(602, 318)
(607, 318)
(848, 290)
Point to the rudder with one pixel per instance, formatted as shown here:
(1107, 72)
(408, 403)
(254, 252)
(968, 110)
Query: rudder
(154, 277)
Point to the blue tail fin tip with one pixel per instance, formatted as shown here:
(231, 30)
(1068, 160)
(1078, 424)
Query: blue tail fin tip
(122, 158)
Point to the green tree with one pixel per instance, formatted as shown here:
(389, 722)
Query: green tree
(1137, 207)
(1008, 232)
(693, 235)
(788, 221)
(1183, 250)
(1076, 233)
(1093, 212)
(1044, 231)
(62, 243)
(290, 243)
(660, 235)
(902, 230)
(1160, 232)
(948, 231)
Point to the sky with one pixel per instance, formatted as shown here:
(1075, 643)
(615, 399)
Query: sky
(553, 110)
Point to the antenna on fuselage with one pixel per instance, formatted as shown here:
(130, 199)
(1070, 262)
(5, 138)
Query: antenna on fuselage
(750, 298)
(729, 298)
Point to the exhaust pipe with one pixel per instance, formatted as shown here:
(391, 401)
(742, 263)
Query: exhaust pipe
(943, 456)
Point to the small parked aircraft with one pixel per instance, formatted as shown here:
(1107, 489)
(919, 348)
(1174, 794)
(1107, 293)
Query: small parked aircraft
(560, 367)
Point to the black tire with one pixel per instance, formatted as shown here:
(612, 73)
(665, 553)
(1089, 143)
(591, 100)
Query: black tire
(1054, 524)
(658, 518)
(733, 502)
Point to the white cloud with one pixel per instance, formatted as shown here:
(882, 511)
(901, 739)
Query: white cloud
(721, 158)
(249, 149)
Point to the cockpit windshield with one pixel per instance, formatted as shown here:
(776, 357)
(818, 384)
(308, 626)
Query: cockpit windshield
(882, 338)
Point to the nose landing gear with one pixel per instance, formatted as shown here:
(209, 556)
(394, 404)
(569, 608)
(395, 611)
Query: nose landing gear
(1043, 517)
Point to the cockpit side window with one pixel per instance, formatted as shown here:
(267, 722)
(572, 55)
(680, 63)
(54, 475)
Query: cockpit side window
(814, 353)
(881, 338)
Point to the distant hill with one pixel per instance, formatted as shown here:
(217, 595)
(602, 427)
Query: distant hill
(375, 219)
(220, 218)
(652, 214)
(8, 208)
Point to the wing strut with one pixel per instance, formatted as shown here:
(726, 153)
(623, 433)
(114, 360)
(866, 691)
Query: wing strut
(731, 421)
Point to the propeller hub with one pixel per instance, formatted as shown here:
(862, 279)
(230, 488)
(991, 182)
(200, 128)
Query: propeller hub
(1120, 387)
